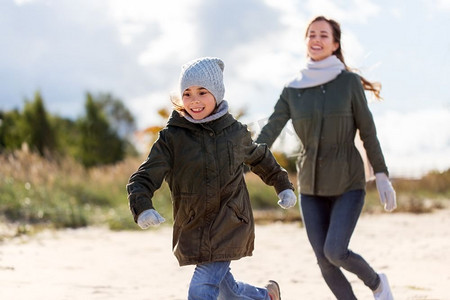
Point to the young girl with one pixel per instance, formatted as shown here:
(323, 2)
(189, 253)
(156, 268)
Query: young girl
(327, 105)
(201, 154)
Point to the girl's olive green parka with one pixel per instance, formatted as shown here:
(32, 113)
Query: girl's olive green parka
(203, 165)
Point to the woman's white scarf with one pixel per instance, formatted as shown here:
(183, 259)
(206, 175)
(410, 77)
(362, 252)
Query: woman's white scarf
(222, 109)
(317, 72)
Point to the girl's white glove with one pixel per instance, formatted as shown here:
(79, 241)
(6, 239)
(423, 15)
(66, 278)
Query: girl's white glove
(287, 199)
(149, 217)
(386, 192)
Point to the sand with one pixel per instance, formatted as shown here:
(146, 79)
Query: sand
(96, 263)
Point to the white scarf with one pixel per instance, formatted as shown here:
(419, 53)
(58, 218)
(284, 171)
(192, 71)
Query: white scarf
(222, 109)
(317, 72)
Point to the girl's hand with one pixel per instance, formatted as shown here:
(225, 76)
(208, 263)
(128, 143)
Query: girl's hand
(386, 192)
(287, 199)
(149, 217)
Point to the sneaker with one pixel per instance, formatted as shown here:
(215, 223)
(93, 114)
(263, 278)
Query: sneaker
(383, 291)
(274, 290)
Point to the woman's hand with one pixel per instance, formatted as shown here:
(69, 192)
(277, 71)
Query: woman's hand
(386, 192)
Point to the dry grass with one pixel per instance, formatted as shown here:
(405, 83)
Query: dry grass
(56, 192)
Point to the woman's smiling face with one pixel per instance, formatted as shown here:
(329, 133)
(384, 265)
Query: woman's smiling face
(198, 102)
(319, 41)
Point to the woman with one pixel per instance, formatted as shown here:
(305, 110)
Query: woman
(327, 105)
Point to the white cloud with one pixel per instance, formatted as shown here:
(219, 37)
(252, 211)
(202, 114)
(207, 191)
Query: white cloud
(443, 4)
(396, 12)
(161, 29)
(414, 142)
(264, 68)
(23, 2)
(145, 108)
(354, 52)
(351, 11)
(292, 15)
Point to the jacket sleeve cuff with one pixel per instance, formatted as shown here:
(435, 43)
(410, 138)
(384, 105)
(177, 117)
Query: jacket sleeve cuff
(139, 205)
(285, 185)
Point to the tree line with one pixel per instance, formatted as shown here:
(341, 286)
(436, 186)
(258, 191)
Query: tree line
(99, 137)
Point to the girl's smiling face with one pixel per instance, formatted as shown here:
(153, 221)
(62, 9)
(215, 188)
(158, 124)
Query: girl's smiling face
(319, 40)
(198, 102)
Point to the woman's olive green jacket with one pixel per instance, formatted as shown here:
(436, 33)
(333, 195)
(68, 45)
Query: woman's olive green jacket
(203, 165)
(326, 119)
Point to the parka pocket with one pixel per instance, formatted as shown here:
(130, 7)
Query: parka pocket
(239, 213)
(185, 207)
(186, 227)
(186, 238)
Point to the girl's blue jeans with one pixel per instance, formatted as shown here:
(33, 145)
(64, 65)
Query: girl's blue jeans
(215, 281)
(329, 223)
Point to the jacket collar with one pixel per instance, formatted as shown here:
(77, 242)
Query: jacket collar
(218, 125)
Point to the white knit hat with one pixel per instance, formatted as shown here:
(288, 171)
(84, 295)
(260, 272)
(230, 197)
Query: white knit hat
(206, 72)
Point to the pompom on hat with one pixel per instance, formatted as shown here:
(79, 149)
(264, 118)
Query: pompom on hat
(206, 72)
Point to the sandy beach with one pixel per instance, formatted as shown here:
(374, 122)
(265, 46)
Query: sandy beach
(96, 263)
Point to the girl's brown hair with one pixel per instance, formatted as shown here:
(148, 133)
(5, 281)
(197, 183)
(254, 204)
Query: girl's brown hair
(177, 104)
(374, 87)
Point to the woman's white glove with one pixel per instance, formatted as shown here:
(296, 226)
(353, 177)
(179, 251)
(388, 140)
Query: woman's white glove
(287, 199)
(149, 217)
(386, 192)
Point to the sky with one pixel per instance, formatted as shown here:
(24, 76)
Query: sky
(134, 49)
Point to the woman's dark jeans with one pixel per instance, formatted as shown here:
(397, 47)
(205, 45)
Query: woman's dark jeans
(329, 223)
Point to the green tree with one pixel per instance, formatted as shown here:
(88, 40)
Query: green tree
(39, 134)
(67, 135)
(12, 133)
(100, 144)
(119, 117)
